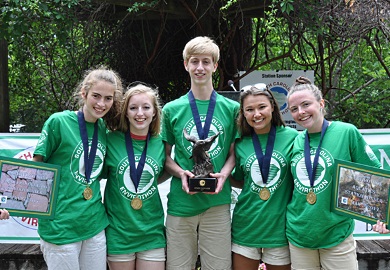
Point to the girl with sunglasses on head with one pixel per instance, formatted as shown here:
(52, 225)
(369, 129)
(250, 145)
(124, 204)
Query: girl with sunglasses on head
(263, 155)
(319, 238)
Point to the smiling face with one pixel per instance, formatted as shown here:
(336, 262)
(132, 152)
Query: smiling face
(201, 68)
(140, 113)
(98, 100)
(257, 111)
(306, 110)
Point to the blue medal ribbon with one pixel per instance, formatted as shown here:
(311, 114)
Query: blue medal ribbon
(89, 159)
(312, 170)
(202, 132)
(264, 160)
(135, 172)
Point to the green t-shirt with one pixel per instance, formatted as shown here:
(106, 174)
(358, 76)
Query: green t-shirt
(133, 230)
(258, 223)
(177, 116)
(60, 143)
(315, 226)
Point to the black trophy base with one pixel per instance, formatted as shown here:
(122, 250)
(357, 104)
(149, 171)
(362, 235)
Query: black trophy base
(201, 184)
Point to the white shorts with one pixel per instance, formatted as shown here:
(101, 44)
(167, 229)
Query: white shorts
(84, 255)
(272, 256)
(156, 255)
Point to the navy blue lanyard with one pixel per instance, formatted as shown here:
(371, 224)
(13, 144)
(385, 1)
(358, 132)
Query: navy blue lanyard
(89, 159)
(202, 132)
(135, 173)
(264, 160)
(312, 170)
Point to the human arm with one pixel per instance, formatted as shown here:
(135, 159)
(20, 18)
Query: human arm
(4, 214)
(226, 170)
(38, 158)
(380, 227)
(163, 177)
(175, 170)
(235, 183)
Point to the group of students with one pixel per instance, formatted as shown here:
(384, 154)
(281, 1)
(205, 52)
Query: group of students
(282, 216)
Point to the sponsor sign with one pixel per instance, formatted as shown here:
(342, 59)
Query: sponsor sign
(279, 82)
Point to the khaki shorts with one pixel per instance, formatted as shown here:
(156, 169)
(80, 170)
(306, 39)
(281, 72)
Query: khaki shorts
(208, 232)
(342, 256)
(156, 255)
(273, 256)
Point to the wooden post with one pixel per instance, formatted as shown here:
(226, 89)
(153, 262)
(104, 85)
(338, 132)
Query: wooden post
(4, 91)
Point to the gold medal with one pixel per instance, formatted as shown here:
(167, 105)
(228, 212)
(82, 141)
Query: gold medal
(311, 197)
(87, 193)
(136, 203)
(264, 194)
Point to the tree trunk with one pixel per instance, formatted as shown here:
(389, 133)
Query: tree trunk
(4, 92)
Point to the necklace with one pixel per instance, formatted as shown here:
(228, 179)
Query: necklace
(138, 140)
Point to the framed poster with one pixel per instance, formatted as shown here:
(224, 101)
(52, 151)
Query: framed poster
(361, 192)
(28, 188)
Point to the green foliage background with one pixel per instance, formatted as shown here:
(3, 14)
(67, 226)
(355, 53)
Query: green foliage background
(51, 43)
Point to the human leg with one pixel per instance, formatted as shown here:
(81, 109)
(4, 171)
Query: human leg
(304, 258)
(93, 253)
(150, 265)
(153, 259)
(121, 265)
(215, 238)
(245, 258)
(244, 263)
(121, 261)
(182, 242)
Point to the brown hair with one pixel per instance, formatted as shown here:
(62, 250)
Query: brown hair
(259, 89)
(91, 77)
(304, 83)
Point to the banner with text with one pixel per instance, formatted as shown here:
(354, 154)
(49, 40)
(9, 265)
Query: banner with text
(279, 82)
(22, 145)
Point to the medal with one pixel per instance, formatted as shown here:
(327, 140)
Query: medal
(264, 161)
(135, 171)
(136, 203)
(311, 197)
(264, 194)
(89, 158)
(87, 193)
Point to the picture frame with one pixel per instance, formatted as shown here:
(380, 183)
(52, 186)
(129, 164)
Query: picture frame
(361, 192)
(28, 188)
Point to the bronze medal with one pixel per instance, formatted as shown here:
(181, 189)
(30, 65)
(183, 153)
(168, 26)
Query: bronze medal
(264, 194)
(136, 203)
(87, 193)
(311, 197)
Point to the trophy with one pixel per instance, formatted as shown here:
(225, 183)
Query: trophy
(202, 182)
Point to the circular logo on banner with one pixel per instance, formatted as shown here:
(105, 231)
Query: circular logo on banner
(280, 94)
